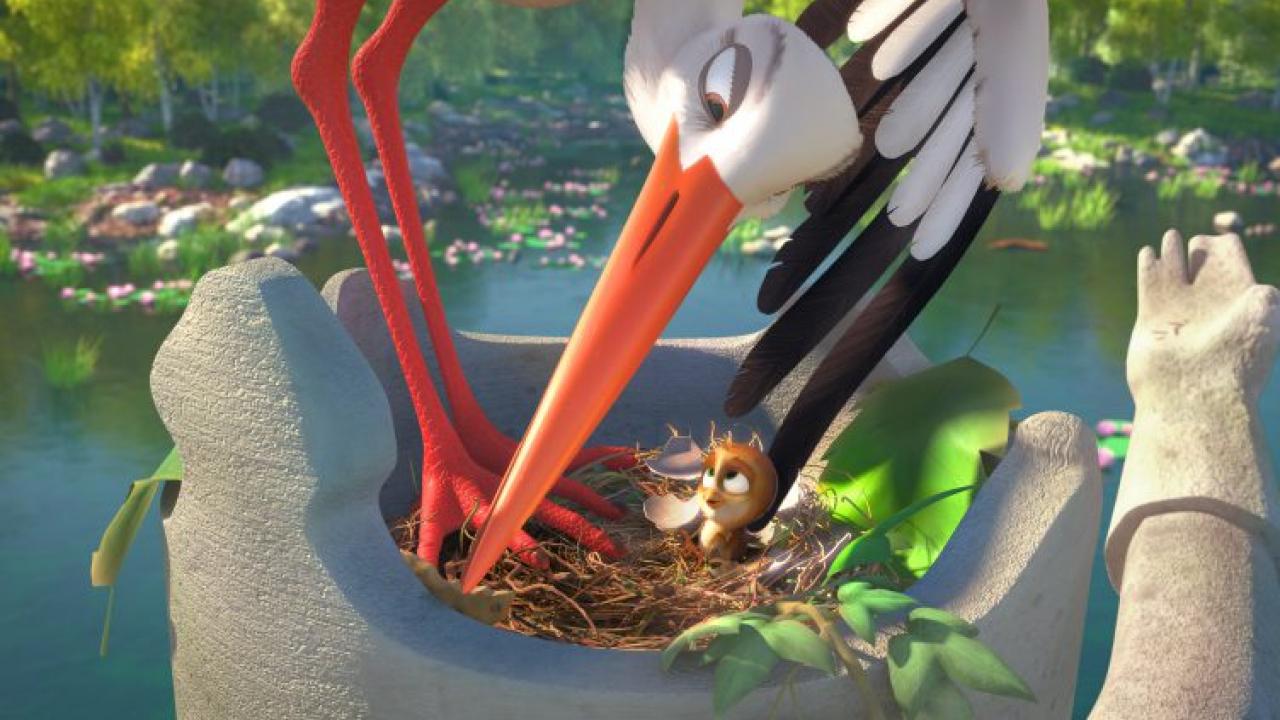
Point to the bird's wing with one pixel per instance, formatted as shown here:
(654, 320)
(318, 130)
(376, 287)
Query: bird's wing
(950, 97)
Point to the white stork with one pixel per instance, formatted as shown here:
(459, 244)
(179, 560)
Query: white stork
(938, 112)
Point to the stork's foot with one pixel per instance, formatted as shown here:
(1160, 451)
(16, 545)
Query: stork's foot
(493, 450)
(459, 493)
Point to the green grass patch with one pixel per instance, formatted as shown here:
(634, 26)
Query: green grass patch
(1070, 201)
(206, 249)
(308, 166)
(60, 194)
(1186, 182)
(69, 365)
(8, 267)
(16, 178)
(1212, 108)
(64, 234)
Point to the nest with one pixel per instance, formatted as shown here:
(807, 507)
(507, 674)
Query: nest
(660, 588)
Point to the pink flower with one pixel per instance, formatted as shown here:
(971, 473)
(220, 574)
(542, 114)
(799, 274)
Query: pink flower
(157, 285)
(1106, 428)
(545, 234)
(1106, 458)
(147, 298)
(555, 210)
(68, 293)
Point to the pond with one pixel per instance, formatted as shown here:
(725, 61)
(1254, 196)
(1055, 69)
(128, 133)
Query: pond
(66, 458)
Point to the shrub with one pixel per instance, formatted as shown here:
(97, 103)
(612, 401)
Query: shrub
(57, 194)
(1129, 75)
(7, 265)
(205, 249)
(9, 110)
(192, 131)
(1087, 69)
(19, 148)
(64, 235)
(283, 112)
(113, 153)
(260, 144)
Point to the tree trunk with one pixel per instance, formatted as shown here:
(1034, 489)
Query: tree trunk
(209, 98)
(166, 93)
(1193, 67)
(1275, 96)
(95, 113)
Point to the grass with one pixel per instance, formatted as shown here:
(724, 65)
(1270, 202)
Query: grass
(63, 235)
(742, 233)
(60, 194)
(475, 180)
(1206, 187)
(206, 249)
(1071, 202)
(7, 266)
(1212, 108)
(143, 262)
(70, 365)
(16, 178)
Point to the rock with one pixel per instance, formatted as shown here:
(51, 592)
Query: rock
(392, 234)
(244, 255)
(135, 127)
(1167, 137)
(277, 250)
(264, 234)
(332, 212)
(760, 246)
(1144, 160)
(1074, 161)
(157, 175)
(1201, 148)
(287, 208)
(54, 132)
(242, 173)
(138, 212)
(1274, 166)
(1113, 99)
(63, 163)
(1124, 155)
(1228, 221)
(304, 246)
(240, 202)
(167, 251)
(11, 127)
(1102, 117)
(184, 219)
(424, 168)
(1255, 100)
(195, 175)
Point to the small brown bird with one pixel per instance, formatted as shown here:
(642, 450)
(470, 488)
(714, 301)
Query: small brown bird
(737, 482)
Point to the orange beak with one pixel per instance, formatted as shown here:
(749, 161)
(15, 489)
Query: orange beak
(677, 224)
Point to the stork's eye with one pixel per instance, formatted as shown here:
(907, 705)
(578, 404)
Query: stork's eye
(736, 483)
(724, 82)
(709, 479)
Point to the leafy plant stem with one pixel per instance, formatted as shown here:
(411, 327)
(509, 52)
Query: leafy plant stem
(828, 632)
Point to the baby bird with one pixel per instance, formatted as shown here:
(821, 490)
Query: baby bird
(736, 485)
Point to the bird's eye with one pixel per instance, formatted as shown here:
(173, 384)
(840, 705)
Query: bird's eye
(709, 478)
(724, 82)
(736, 483)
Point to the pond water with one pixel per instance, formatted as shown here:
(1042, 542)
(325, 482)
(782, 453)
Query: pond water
(66, 458)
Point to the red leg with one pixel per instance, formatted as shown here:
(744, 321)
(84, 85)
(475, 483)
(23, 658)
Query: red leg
(377, 69)
(454, 486)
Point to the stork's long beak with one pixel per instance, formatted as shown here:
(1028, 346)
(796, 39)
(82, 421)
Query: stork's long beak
(678, 222)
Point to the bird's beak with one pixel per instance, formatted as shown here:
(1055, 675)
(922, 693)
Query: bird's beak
(678, 222)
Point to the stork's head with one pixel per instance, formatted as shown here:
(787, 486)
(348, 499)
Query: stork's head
(739, 112)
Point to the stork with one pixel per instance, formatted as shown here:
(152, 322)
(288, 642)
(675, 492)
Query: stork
(938, 112)
(462, 458)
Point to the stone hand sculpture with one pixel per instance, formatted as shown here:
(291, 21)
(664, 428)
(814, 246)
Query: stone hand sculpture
(1193, 540)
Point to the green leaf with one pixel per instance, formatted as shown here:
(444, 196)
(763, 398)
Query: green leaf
(104, 567)
(920, 616)
(718, 648)
(913, 439)
(920, 684)
(742, 669)
(858, 617)
(883, 602)
(976, 666)
(851, 591)
(870, 549)
(793, 640)
(723, 625)
(874, 547)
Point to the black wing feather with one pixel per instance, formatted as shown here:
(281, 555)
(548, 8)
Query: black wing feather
(858, 352)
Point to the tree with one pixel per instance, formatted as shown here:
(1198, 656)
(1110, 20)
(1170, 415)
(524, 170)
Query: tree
(78, 48)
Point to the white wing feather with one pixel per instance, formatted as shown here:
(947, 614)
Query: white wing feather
(873, 16)
(950, 206)
(919, 187)
(909, 40)
(922, 102)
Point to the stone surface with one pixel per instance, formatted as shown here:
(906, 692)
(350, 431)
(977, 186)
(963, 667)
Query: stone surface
(63, 163)
(184, 219)
(243, 174)
(1194, 540)
(1201, 148)
(264, 234)
(167, 251)
(287, 208)
(157, 175)
(260, 380)
(138, 212)
(1228, 221)
(54, 132)
(11, 127)
(195, 175)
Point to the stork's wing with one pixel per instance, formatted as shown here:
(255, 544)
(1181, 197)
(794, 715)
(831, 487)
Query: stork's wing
(950, 95)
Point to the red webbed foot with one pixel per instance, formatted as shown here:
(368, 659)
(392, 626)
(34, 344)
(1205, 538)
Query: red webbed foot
(460, 493)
